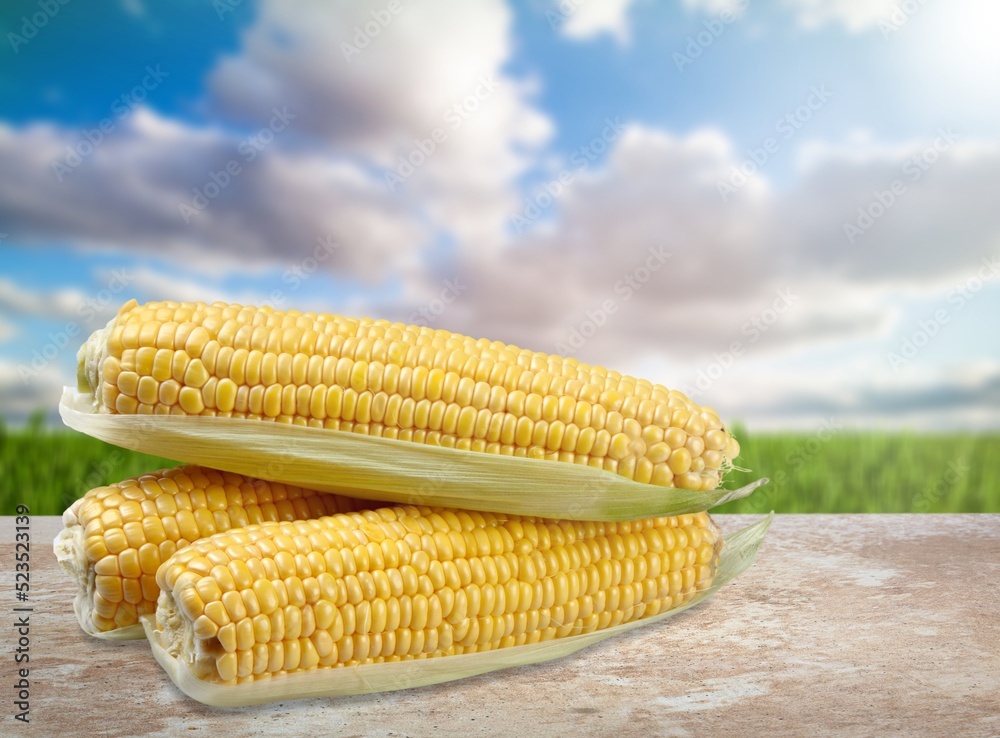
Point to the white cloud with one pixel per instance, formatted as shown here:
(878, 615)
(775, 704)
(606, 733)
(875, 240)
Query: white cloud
(854, 15)
(715, 7)
(7, 330)
(928, 212)
(379, 91)
(585, 19)
(63, 304)
(128, 193)
(729, 258)
(324, 177)
(856, 394)
(153, 284)
(20, 397)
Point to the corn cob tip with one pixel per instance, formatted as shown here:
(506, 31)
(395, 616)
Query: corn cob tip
(90, 359)
(70, 551)
(68, 548)
(68, 545)
(116, 536)
(83, 385)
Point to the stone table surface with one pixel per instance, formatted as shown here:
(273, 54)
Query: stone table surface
(853, 625)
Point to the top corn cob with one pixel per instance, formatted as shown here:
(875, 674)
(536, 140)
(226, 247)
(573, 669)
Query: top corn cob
(402, 382)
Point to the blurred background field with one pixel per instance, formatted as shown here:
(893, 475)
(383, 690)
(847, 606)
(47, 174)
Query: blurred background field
(47, 468)
(869, 472)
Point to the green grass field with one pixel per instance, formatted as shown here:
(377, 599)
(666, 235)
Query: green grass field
(46, 469)
(845, 472)
(852, 472)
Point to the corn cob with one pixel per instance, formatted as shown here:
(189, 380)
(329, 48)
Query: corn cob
(402, 382)
(403, 583)
(115, 537)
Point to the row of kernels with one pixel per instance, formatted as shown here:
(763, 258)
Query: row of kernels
(557, 589)
(411, 630)
(498, 534)
(270, 368)
(487, 533)
(522, 438)
(362, 374)
(465, 423)
(299, 336)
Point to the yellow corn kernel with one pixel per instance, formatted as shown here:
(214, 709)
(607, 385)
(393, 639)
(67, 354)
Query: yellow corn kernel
(136, 524)
(473, 582)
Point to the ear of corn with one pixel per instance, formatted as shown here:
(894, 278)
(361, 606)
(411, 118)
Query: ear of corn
(399, 583)
(116, 537)
(415, 396)
(407, 382)
(406, 597)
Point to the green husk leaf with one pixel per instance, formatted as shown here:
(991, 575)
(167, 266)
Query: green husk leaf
(738, 553)
(390, 470)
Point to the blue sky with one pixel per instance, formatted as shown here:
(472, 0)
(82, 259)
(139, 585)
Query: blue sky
(887, 82)
(755, 67)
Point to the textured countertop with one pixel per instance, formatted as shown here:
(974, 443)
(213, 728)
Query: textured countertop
(850, 625)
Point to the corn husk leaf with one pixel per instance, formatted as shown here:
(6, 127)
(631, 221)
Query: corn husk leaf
(737, 554)
(390, 470)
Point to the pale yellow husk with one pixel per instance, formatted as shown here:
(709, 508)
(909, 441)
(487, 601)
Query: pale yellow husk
(390, 470)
